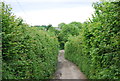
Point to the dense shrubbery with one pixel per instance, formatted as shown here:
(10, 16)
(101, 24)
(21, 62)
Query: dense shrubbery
(28, 53)
(97, 49)
(66, 31)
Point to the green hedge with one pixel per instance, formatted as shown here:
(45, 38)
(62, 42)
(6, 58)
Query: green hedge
(97, 49)
(67, 30)
(28, 53)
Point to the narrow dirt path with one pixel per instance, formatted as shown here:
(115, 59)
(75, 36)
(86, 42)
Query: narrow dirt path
(66, 69)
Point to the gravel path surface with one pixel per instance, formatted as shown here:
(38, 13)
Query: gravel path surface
(66, 69)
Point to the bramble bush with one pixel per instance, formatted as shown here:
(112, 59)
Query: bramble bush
(27, 53)
(97, 49)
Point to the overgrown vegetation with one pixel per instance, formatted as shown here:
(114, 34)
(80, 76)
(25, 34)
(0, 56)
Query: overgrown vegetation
(30, 52)
(27, 52)
(66, 31)
(96, 50)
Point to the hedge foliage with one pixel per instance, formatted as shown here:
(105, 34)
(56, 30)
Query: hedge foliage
(66, 31)
(97, 49)
(28, 53)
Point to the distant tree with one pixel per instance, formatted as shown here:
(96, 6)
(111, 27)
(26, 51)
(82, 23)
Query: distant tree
(43, 25)
(54, 30)
(61, 25)
(68, 30)
(49, 26)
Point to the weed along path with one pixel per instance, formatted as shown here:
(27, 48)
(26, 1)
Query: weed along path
(66, 69)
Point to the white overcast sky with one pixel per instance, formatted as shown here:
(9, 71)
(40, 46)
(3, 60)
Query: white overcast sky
(44, 12)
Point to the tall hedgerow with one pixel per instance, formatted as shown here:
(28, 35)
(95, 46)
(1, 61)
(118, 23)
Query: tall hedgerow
(27, 53)
(97, 49)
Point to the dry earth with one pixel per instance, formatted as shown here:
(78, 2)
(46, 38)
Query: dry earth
(66, 69)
